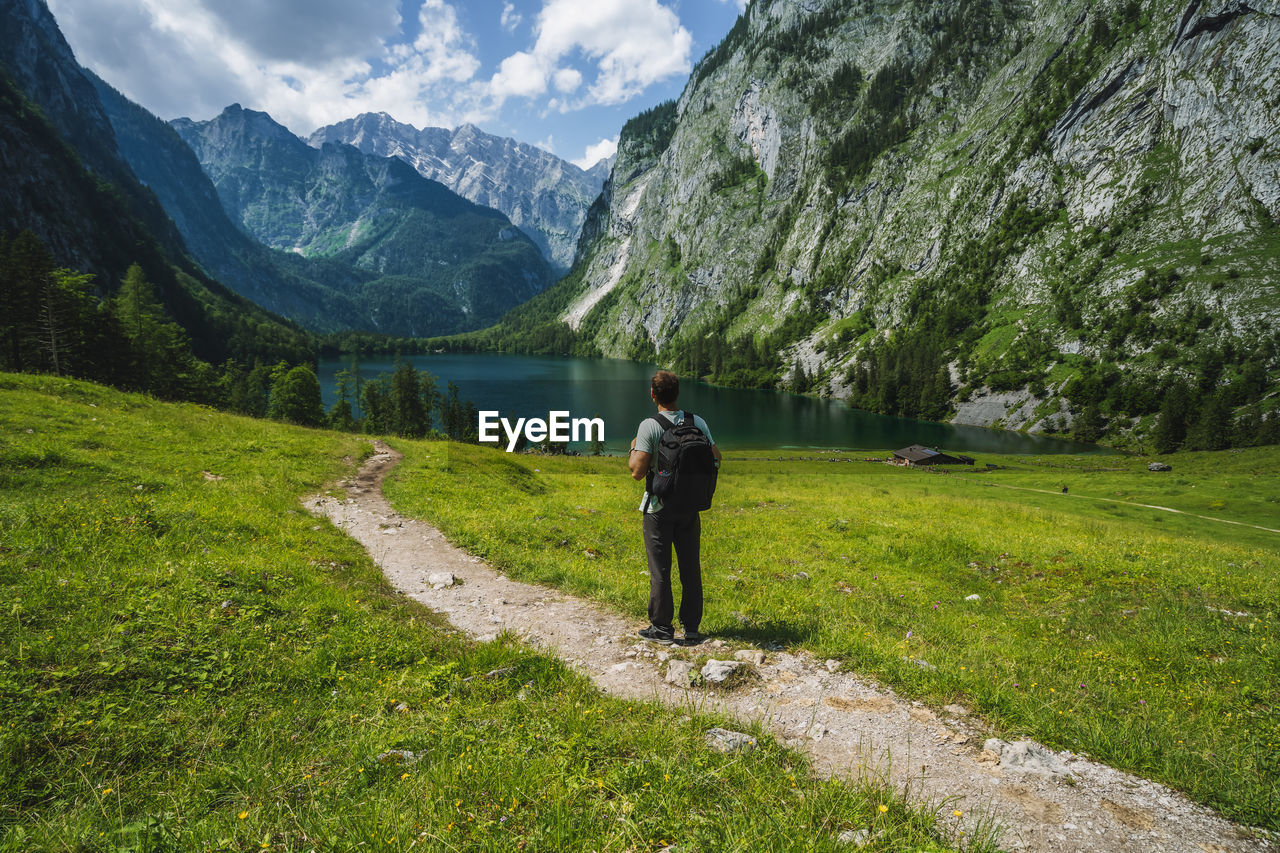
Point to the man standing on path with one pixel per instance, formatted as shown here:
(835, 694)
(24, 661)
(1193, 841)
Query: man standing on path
(662, 529)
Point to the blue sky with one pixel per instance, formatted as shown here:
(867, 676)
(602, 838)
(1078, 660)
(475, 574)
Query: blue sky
(562, 74)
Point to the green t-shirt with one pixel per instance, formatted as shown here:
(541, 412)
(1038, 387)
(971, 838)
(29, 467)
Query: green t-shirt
(648, 436)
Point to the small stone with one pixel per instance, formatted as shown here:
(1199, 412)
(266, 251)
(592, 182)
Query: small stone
(958, 710)
(716, 671)
(922, 663)
(1159, 466)
(678, 672)
(397, 756)
(624, 666)
(723, 740)
(754, 656)
(225, 604)
(857, 837)
(440, 580)
(1028, 756)
(974, 597)
(401, 708)
(833, 665)
(801, 576)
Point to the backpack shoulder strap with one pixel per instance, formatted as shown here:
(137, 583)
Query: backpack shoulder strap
(665, 423)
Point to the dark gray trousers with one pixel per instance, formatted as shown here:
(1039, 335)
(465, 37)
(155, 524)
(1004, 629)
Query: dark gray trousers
(660, 534)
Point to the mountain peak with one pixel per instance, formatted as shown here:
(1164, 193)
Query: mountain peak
(494, 171)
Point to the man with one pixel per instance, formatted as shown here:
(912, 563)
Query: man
(663, 530)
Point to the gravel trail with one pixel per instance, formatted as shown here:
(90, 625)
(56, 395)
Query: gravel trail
(848, 726)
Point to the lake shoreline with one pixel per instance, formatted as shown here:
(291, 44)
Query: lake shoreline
(615, 389)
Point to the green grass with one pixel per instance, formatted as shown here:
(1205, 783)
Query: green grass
(1099, 624)
(194, 664)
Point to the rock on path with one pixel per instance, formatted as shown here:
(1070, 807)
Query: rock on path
(848, 726)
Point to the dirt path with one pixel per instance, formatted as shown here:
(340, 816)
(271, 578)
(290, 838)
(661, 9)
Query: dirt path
(847, 725)
(1134, 503)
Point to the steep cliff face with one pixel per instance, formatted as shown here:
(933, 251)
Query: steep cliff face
(437, 262)
(45, 71)
(994, 212)
(545, 196)
(314, 293)
(67, 182)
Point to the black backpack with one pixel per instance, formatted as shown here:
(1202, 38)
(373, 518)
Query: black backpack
(684, 468)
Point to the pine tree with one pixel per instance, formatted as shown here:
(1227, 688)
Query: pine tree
(799, 380)
(1269, 430)
(1171, 429)
(1245, 431)
(341, 416)
(1090, 425)
(136, 304)
(453, 414)
(375, 404)
(24, 269)
(162, 361)
(408, 417)
(63, 309)
(1212, 430)
(430, 397)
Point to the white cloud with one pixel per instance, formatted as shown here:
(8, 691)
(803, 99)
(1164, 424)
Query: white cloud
(510, 18)
(634, 43)
(595, 153)
(441, 46)
(520, 74)
(305, 31)
(313, 66)
(567, 80)
(314, 62)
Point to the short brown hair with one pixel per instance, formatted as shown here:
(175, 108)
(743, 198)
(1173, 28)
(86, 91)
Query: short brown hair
(665, 387)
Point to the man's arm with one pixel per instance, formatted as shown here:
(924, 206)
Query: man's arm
(638, 462)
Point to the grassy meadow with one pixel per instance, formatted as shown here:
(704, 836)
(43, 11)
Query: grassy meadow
(1143, 638)
(189, 661)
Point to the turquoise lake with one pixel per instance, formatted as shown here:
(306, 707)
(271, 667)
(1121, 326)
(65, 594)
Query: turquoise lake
(618, 392)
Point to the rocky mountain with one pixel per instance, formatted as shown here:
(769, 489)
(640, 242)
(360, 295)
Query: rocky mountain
(312, 292)
(545, 196)
(1060, 216)
(441, 263)
(68, 184)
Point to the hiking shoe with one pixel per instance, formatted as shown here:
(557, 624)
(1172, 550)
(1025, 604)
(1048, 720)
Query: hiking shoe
(693, 638)
(654, 634)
